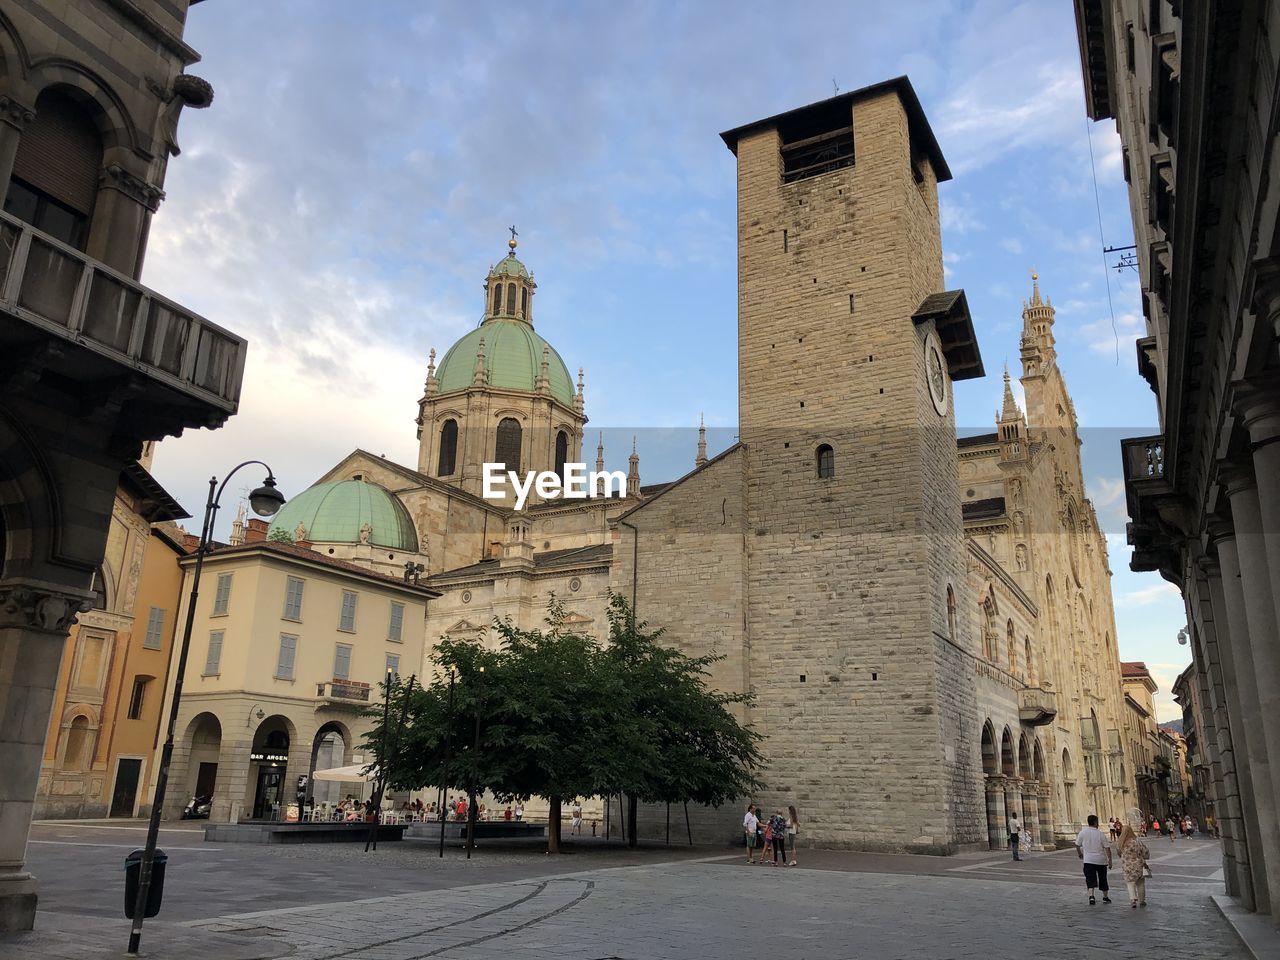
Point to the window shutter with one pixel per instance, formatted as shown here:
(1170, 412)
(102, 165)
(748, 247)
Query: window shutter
(396, 627)
(155, 629)
(214, 658)
(60, 152)
(342, 662)
(284, 662)
(348, 619)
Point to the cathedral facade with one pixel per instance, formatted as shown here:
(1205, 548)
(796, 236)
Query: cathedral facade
(925, 623)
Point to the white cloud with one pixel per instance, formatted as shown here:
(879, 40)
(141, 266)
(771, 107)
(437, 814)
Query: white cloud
(1155, 593)
(1101, 338)
(1012, 245)
(959, 214)
(1106, 490)
(1164, 674)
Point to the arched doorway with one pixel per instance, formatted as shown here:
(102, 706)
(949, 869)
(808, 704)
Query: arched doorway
(1030, 791)
(330, 748)
(1008, 759)
(204, 743)
(268, 768)
(1042, 785)
(994, 783)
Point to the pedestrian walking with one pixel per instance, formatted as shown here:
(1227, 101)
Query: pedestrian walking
(1168, 828)
(1134, 855)
(749, 824)
(1015, 833)
(793, 828)
(519, 811)
(1093, 847)
(778, 832)
(577, 817)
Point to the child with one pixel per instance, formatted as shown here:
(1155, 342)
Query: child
(768, 841)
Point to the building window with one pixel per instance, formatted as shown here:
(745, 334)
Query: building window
(507, 449)
(293, 598)
(136, 697)
(524, 302)
(511, 298)
(393, 664)
(155, 628)
(77, 737)
(826, 462)
(54, 185)
(342, 662)
(213, 658)
(396, 627)
(222, 598)
(285, 656)
(811, 147)
(1012, 647)
(347, 621)
(497, 298)
(1031, 664)
(562, 452)
(448, 449)
(951, 614)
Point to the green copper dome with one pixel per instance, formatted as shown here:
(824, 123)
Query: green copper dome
(512, 356)
(509, 266)
(336, 513)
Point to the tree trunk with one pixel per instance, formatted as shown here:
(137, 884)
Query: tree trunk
(633, 807)
(471, 821)
(553, 825)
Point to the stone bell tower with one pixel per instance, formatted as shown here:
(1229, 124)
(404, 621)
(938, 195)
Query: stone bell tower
(848, 346)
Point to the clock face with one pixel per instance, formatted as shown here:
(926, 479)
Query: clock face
(935, 368)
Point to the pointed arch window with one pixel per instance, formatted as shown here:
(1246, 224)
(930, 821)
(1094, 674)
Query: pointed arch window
(951, 614)
(826, 458)
(497, 298)
(1031, 664)
(562, 452)
(448, 449)
(511, 298)
(507, 448)
(1012, 645)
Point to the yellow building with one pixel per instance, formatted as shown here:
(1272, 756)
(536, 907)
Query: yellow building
(288, 647)
(106, 710)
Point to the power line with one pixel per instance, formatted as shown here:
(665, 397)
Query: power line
(1097, 205)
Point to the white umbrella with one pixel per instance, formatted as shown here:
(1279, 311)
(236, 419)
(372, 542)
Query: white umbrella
(352, 774)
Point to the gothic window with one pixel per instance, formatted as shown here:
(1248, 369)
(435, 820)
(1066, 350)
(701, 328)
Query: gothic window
(562, 452)
(826, 462)
(1013, 647)
(497, 298)
(1031, 664)
(951, 614)
(448, 448)
(55, 171)
(989, 629)
(507, 449)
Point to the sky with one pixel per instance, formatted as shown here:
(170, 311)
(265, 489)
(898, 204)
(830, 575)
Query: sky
(340, 203)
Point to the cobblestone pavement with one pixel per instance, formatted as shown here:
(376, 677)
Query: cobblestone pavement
(646, 905)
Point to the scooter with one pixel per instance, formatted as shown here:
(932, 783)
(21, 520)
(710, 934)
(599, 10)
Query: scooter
(198, 808)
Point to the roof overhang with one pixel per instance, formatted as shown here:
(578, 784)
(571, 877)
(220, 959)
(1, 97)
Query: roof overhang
(949, 311)
(1092, 32)
(154, 502)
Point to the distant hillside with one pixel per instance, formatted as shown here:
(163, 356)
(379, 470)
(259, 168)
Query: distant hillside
(1174, 725)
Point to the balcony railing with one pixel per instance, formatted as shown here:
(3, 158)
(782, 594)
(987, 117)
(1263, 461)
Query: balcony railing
(1143, 458)
(1036, 706)
(342, 691)
(57, 288)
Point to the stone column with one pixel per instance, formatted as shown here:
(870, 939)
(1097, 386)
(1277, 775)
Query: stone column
(997, 829)
(34, 622)
(1030, 810)
(1047, 817)
(1258, 804)
(121, 217)
(14, 117)
(1261, 412)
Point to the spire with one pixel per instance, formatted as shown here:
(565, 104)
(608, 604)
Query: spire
(579, 402)
(481, 377)
(633, 470)
(600, 483)
(432, 384)
(1035, 288)
(237, 526)
(701, 459)
(1037, 346)
(1010, 411)
(543, 384)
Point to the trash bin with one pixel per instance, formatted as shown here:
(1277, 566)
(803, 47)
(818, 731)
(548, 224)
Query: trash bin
(133, 876)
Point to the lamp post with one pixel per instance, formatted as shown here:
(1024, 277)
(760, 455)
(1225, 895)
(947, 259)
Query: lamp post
(265, 501)
(448, 724)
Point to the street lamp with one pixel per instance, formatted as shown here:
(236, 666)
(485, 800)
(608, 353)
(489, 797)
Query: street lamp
(265, 501)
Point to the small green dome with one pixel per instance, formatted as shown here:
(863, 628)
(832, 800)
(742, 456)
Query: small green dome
(337, 512)
(509, 266)
(512, 357)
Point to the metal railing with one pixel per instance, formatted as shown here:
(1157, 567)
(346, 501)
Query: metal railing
(349, 690)
(61, 290)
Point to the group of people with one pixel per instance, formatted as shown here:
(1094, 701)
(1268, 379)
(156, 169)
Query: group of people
(1186, 825)
(777, 833)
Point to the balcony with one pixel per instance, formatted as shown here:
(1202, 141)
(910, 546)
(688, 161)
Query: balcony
(341, 693)
(68, 319)
(1148, 492)
(1036, 707)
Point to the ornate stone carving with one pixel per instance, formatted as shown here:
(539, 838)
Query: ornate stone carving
(14, 113)
(133, 187)
(44, 610)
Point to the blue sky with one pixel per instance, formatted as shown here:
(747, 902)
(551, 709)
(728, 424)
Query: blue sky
(341, 201)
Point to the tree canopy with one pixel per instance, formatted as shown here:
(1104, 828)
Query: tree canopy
(556, 713)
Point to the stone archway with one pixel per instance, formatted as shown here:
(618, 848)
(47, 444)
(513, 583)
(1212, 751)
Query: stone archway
(332, 746)
(268, 790)
(1030, 790)
(1009, 770)
(994, 784)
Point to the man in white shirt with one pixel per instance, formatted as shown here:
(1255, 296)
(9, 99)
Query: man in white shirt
(1093, 847)
(1015, 833)
(749, 824)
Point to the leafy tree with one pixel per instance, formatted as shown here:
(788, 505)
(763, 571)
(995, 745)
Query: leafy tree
(280, 536)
